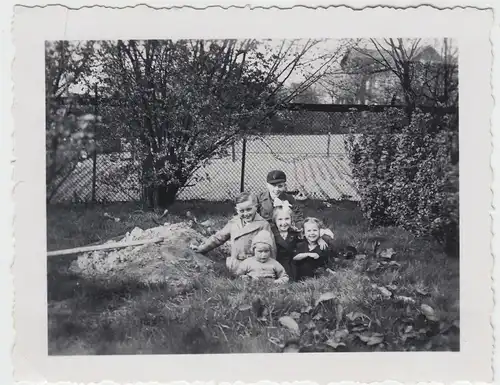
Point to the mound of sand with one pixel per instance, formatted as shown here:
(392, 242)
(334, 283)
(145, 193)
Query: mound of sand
(170, 262)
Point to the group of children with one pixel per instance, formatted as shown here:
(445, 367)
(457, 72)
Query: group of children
(270, 239)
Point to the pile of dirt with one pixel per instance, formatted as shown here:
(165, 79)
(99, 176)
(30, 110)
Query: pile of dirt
(170, 262)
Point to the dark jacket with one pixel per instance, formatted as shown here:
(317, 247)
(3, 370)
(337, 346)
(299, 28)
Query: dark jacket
(285, 248)
(265, 207)
(307, 267)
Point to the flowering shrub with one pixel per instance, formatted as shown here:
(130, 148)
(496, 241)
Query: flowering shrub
(407, 173)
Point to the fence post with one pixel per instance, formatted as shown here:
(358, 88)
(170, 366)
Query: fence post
(243, 158)
(94, 154)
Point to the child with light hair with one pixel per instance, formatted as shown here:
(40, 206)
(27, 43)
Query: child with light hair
(240, 230)
(287, 238)
(261, 265)
(310, 258)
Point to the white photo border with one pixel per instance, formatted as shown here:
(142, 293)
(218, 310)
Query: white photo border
(32, 26)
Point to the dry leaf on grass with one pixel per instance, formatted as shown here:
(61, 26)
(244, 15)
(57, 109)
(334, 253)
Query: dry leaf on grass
(328, 296)
(295, 315)
(290, 324)
(386, 293)
(352, 316)
(371, 338)
(387, 253)
(429, 312)
(306, 309)
(405, 299)
(422, 292)
(334, 344)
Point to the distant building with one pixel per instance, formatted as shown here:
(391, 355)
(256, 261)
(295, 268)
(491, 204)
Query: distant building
(368, 82)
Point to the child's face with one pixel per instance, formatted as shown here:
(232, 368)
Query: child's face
(246, 210)
(276, 189)
(262, 252)
(283, 221)
(311, 231)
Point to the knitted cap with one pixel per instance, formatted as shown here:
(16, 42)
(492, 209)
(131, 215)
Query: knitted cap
(263, 236)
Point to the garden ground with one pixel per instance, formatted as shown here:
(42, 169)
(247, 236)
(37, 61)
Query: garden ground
(404, 303)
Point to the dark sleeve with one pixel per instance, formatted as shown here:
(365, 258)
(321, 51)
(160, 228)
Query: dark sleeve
(297, 212)
(301, 247)
(324, 257)
(329, 241)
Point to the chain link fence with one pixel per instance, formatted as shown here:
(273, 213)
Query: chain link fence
(308, 144)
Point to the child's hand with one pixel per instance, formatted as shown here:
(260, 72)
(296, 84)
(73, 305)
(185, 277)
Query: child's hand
(194, 247)
(322, 244)
(313, 255)
(326, 232)
(300, 257)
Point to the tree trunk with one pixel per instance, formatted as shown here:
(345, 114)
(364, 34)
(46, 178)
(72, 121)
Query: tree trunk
(166, 195)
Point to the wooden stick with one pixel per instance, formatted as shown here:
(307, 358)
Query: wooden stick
(109, 246)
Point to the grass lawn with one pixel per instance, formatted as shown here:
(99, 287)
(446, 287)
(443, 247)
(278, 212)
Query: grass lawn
(366, 304)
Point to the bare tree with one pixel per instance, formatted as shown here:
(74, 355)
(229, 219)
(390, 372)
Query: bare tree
(422, 76)
(185, 102)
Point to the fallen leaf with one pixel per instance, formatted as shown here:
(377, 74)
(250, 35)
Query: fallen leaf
(311, 325)
(387, 253)
(394, 263)
(391, 287)
(422, 292)
(334, 344)
(291, 347)
(352, 316)
(428, 312)
(373, 267)
(360, 256)
(408, 328)
(306, 309)
(318, 317)
(295, 315)
(386, 293)
(328, 296)
(290, 324)
(371, 339)
(340, 311)
(404, 299)
(341, 334)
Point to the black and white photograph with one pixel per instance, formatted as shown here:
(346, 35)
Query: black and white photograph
(252, 196)
(200, 191)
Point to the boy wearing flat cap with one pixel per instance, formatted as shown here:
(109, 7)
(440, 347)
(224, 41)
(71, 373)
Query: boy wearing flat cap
(276, 195)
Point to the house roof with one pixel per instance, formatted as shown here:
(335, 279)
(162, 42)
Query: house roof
(367, 57)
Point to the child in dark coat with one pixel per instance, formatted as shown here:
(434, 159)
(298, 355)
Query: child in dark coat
(309, 256)
(287, 238)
